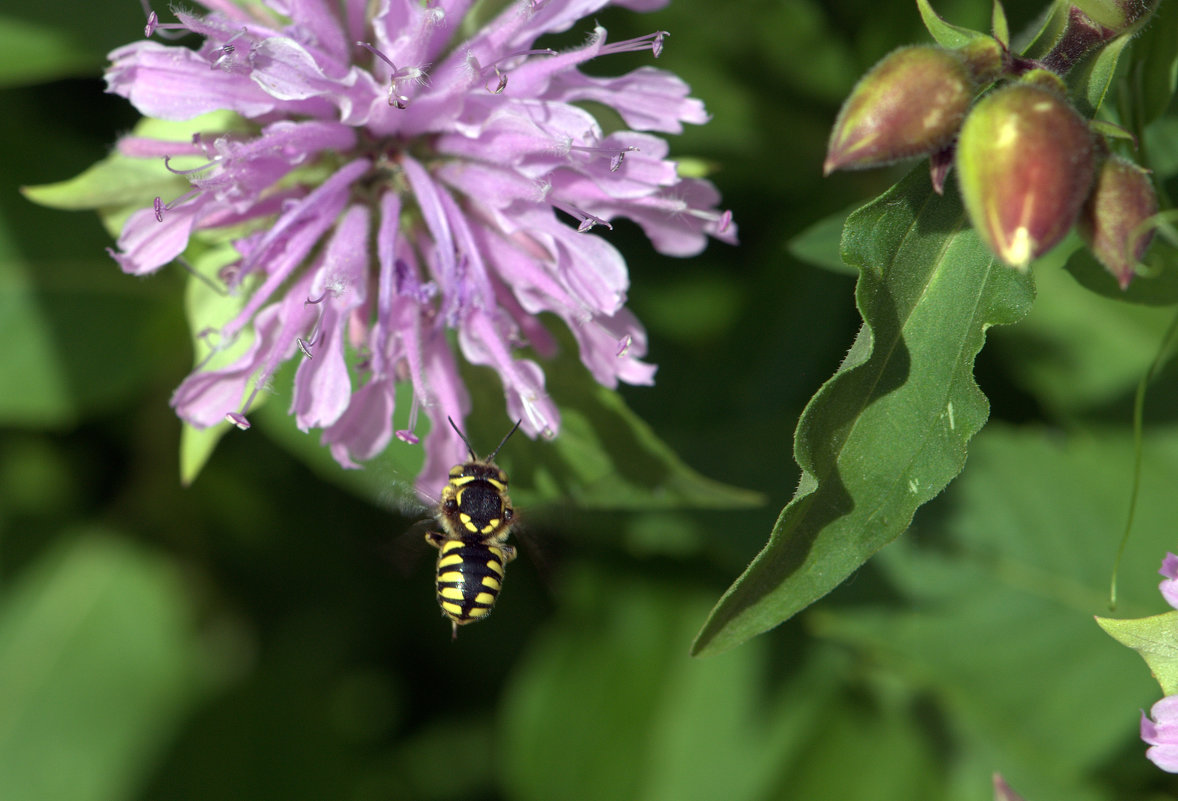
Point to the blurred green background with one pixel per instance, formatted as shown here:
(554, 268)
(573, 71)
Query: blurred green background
(253, 636)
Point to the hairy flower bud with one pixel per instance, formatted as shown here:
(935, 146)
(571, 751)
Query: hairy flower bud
(1025, 164)
(1111, 222)
(909, 104)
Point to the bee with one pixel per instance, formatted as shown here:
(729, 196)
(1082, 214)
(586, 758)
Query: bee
(475, 516)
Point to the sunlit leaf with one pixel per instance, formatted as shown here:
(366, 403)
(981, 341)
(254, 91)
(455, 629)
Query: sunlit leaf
(1156, 639)
(890, 429)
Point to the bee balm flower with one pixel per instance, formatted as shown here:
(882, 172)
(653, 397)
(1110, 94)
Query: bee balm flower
(398, 187)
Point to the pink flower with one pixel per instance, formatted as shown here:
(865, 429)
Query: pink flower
(1162, 733)
(397, 183)
(1169, 587)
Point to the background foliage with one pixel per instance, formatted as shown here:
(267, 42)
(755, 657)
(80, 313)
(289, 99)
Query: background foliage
(260, 635)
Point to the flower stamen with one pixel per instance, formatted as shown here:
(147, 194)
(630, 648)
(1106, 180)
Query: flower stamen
(501, 75)
(652, 42)
(616, 154)
(406, 434)
(402, 75)
(586, 221)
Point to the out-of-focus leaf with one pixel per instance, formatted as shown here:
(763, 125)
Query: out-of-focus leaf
(1156, 639)
(1077, 351)
(651, 724)
(999, 582)
(75, 336)
(889, 430)
(33, 53)
(819, 244)
(1154, 68)
(99, 663)
(1156, 285)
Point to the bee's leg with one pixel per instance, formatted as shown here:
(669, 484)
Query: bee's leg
(454, 633)
(435, 538)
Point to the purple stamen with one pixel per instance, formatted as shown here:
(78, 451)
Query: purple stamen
(238, 419)
(587, 221)
(652, 42)
(174, 171)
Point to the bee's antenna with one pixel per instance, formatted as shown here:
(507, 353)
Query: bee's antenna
(469, 449)
(491, 458)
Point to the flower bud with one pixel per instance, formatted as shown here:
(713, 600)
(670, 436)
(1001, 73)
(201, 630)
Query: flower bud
(909, 104)
(1111, 222)
(1025, 164)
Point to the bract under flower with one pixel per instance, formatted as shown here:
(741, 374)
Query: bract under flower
(401, 183)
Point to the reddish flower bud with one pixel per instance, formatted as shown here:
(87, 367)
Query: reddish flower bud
(1111, 222)
(909, 104)
(1025, 164)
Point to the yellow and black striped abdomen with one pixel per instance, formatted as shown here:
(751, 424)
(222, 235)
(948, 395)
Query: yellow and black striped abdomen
(470, 575)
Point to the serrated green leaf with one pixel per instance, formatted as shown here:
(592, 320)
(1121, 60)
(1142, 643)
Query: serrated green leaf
(1156, 639)
(889, 430)
(819, 244)
(99, 664)
(946, 35)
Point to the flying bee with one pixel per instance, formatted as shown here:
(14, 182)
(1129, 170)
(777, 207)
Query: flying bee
(475, 516)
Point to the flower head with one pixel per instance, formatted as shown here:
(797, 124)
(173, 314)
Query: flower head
(400, 189)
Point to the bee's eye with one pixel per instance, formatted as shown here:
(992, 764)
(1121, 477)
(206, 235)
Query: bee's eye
(508, 513)
(450, 504)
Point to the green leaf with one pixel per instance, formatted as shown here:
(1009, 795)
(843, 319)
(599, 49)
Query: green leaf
(819, 244)
(889, 430)
(81, 337)
(1156, 639)
(1154, 66)
(649, 723)
(946, 35)
(35, 53)
(999, 25)
(1096, 75)
(100, 664)
(992, 597)
(121, 181)
(1158, 287)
